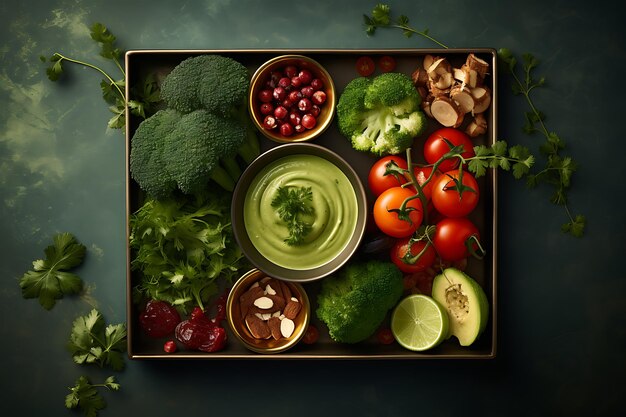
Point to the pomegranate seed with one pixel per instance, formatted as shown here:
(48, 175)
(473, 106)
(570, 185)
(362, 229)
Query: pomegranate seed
(170, 346)
(197, 313)
(319, 97)
(265, 96)
(309, 121)
(315, 110)
(279, 93)
(280, 112)
(266, 108)
(305, 76)
(307, 91)
(317, 84)
(286, 129)
(159, 318)
(304, 104)
(296, 82)
(269, 122)
(291, 71)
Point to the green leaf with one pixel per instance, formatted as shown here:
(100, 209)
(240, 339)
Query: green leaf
(499, 148)
(55, 70)
(576, 227)
(404, 21)
(49, 279)
(380, 14)
(478, 167)
(102, 35)
(85, 396)
(291, 204)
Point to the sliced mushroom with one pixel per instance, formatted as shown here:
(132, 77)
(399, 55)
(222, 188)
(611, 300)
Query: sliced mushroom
(436, 91)
(446, 112)
(428, 61)
(440, 73)
(463, 97)
(467, 76)
(478, 126)
(482, 99)
(420, 77)
(476, 64)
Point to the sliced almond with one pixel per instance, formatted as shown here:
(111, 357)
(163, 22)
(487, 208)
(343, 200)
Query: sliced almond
(295, 299)
(258, 328)
(287, 327)
(269, 290)
(264, 302)
(274, 325)
(246, 300)
(292, 309)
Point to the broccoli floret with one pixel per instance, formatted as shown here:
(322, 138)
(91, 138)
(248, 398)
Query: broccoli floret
(172, 150)
(212, 82)
(382, 115)
(354, 302)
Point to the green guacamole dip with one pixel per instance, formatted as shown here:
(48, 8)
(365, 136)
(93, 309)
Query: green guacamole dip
(334, 202)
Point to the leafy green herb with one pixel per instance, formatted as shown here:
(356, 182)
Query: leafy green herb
(49, 279)
(145, 97)
(292, 204)
(93, 342)
(381, 18)
(183, 246)
(85, 395)
(559, 169)
(499, 155)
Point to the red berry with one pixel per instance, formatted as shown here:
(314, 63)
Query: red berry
(265, 96)
(284, 82)
(305, 76)
(309, 121)
(291, 71)
(319, 97)
(294, 96)
(317, 84)
(279, 93)
(170, 346)
(286, 129)
(315, 110)
(266, 108)
(296, 82)
(307, 91)
(269, 122)
(385, 336)
(311, 335)
(304, 104)
(299, 128)
(294, 118)
(280, 112)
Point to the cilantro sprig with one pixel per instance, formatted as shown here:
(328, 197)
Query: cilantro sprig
(291, 204)
(146, 95)
(93, 342)
(558, 169)
(85, 395)
(49, 280)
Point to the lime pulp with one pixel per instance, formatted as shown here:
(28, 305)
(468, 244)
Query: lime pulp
(419, 323)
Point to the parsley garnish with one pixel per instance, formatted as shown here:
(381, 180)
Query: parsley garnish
(92, 342)
(49, 279)
(292, 204)
(85, 395)
(145, 96)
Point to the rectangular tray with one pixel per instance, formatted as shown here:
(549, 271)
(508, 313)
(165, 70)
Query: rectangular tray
(341, 66)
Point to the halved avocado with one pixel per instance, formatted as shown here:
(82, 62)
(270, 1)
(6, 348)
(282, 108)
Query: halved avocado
(466, 304)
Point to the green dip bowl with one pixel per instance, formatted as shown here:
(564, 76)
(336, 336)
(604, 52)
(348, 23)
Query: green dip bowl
(264, 245)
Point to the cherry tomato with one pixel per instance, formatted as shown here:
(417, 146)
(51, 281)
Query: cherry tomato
(388, 221)
(435, 147)
(378, 181)
(400, 249)
(311, 335)
(421, 175)
(452, 237)
(385, 336)
(365, 66)
(446, 196)
(386, 63)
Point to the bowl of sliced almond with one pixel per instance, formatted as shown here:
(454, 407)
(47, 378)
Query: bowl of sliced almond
(266, 314)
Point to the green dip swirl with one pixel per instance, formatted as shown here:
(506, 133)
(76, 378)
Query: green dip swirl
(333, 223)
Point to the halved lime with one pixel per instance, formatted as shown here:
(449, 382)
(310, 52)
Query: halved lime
(419, 323)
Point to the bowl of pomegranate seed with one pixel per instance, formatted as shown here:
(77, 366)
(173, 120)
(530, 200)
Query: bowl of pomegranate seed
(292, 99)
(266, 314)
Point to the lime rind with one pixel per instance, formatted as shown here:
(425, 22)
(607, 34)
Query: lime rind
(419, 323)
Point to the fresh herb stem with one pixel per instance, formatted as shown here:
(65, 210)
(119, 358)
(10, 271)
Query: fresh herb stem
(100, 70)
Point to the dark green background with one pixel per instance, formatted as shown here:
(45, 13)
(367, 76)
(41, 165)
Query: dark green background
(562, 333)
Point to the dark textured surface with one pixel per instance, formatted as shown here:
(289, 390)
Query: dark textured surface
(561, 315)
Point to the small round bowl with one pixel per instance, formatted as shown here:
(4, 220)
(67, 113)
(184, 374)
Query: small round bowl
(236, 320)
(238, 221)
(263, 74)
